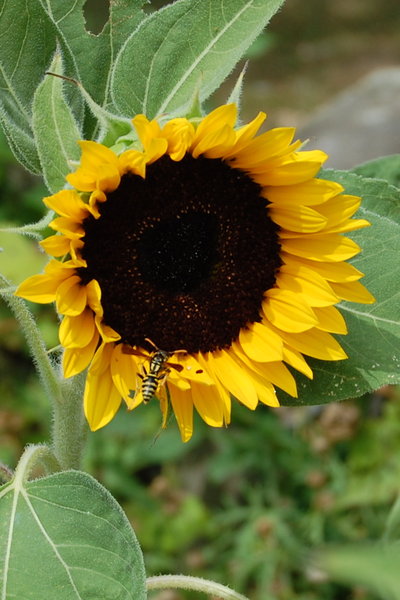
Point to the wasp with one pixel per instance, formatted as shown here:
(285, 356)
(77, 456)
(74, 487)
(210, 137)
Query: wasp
(158, 370)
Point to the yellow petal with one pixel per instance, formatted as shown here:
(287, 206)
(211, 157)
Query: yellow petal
(82, 180)
(315, 343)
(133, 161)
(164, 406)
(99, 168)
(71, 297)
(307, 283)
(353, 292)
(308, 193)
(101, 398)
(266, 392)
(209, 404)
(94, 297)
(156, 149)
(294, 171)
(191, 368)
(339, 209)
(279, 375)
(288, 311)
(331, 271)
(180, 134)
(38, 288)
(297, 361)
(124, 372)
(77, 332)
(329, 247)
(223, 115)
(75, 360)
(234, 377)
(301, 219)
(182, 405)
(261, 344)
(56, 245)
(95, 155)
(214, 144)
(267, 373)
(72, 229)
(270, 144)
(247, 132)
(350, 225)
(222, 391)
(67, 203)
(330, 320)
(107, 333)
(108, 178)
(146, 130)
(60, 270)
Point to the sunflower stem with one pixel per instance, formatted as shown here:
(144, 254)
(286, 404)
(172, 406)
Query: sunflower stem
(43, 363)
(195, 584)
(69, 427)
(69, 430)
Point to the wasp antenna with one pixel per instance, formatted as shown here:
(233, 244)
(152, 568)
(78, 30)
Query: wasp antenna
(63, 77)
(148, 340)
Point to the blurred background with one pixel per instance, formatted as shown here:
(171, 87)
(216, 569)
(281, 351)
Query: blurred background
(246, 505)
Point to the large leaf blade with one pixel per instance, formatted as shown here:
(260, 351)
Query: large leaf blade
(189, 44)
(30, 45)
(88, 49)
(81, 545)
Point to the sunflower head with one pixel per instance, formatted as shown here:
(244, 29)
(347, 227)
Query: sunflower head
(204, 265)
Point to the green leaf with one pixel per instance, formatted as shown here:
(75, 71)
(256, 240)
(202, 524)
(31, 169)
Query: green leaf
(373, 340)
(56, 131)
(65, 537)
(387, 168)
(20, 138)
(29, 46)
(31, 42)
(162, 62)
(88, 49)
(375, 567)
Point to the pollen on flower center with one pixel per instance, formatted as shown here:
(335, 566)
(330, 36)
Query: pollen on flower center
(184, 256)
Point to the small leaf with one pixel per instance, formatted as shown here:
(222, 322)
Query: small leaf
(373, 340)
(375, 567)
(56, 131)
(387, 168)
(20, 138)
(162, 61)
(65, 537)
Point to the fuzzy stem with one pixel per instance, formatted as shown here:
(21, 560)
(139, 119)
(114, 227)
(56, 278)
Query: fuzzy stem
(69, 430)
(195, 584)
(35, 343)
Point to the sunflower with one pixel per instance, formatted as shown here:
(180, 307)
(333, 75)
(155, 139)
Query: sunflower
(201, 264)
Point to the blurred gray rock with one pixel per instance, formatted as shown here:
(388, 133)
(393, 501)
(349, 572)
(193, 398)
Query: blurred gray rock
(360, 123)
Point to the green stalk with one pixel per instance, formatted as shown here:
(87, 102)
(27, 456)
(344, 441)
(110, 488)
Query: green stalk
(69, 427)
(69, 431)
(195, 584)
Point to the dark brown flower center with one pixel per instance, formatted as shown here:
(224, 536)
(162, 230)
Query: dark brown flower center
(184, 256)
